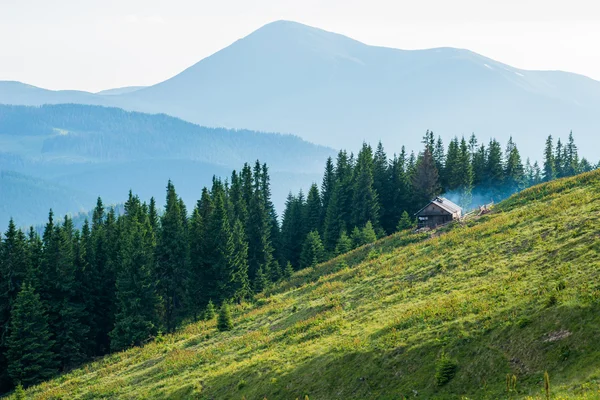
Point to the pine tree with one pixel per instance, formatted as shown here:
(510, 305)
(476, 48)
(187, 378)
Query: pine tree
(313, 212)
(30, 359)
(479, 166)
(514, 172)
(382, 185)
(209, 312)
(288, 270)
(172, 261)
(425, 181)
(69, 328)
(368, 234)
(464, 174)
(439, 155)
(401, 187)
(405, 222)
(549, 162)
(259, 229)
(572, 160)
(327, 186)
(293, 229)
(344, 244)
(494, 169)
(13, 270)
(137, 316)
(313, 251)
(236, 285)
(197, 264)
(365, 201)
(224, 321)
(449, 177)
(559, 161)
(219, 247)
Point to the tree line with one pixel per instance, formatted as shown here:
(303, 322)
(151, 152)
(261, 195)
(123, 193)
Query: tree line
(69, 295)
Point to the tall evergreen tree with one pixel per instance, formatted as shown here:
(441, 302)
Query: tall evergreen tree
(313, 251)
(365, 201)
(13, 270)
(137, 317)
(572, 159)
(293, 229)
(549, 162)
(464, 174)
(494, 169)
(425, 180)
(313, 212)
(514, 172)
(382, 185)
(236, 284)
(70, 329)
(30, 359)
(327, 187)
(172, 261)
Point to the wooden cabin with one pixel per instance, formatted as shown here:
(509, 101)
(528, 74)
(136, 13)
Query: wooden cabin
(439, 211)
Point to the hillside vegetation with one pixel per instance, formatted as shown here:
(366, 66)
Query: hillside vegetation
(447, 314)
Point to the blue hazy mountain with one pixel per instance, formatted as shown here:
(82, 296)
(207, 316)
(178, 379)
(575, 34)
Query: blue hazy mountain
(80, 152)
(117, 91)
(333, 90)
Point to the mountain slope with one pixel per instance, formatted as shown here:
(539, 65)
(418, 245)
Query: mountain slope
(330, 89)
(514, 292)
(107, 151)
(28, 199)
(327, 88)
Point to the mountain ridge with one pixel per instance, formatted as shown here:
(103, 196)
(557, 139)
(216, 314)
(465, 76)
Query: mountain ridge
(327, 88)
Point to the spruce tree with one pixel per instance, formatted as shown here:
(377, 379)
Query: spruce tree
(219, 247)
(224, 320)
(313, 251)
(549, 162)
(172, 261)
(136, 318)
(479, 166)
(29, 355)
(293, 229)
(313, 212)
(70, 327)
(344, 244)
(365, 201)
(494, 169)
(559, 162)
(572, 160)
(368, 234)
(425, 181)
(514, 172)
(236, 285)
(382, 185)
(288, 270)
(464, 174)
(209, 312)
(327, 186)
(13, 270)
(405, 222)
(258, 229)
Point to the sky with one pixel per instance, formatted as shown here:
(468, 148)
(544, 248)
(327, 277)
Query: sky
(95, 45)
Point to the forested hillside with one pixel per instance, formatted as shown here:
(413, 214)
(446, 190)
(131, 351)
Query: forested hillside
(501, 306)
(107, 151)
(125, 278)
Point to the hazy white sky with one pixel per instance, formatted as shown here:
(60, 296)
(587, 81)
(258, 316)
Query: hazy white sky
(99, 44)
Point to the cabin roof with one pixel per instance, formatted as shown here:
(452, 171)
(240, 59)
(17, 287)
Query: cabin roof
(444, 204)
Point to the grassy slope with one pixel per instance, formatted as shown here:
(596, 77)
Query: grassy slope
(497, 296)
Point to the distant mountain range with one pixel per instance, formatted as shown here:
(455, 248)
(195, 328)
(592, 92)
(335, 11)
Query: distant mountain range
(64, 156)
(333, 90)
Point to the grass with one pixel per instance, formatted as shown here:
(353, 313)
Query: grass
(515, 292)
